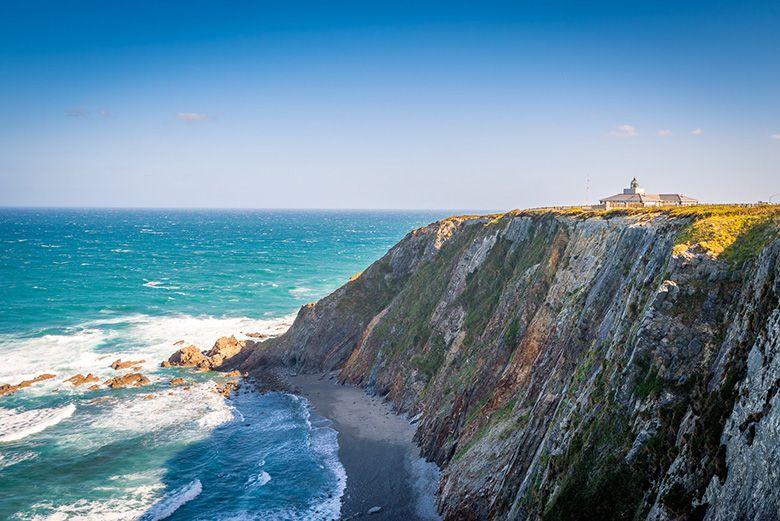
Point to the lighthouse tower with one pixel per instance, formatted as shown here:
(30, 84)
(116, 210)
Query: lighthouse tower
(634, 188)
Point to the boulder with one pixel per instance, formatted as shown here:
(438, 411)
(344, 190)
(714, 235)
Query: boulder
(94, 387)
(226, 389)
(259, 336)
(177, 381)
(80, 379)
(119, 364)
(131, 379)
(189, 356)
(165, 364)
(224, 349)
(233, 373)
(10, 389)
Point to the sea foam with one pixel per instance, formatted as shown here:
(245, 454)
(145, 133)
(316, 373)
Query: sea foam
(18, 425)
(173, 501)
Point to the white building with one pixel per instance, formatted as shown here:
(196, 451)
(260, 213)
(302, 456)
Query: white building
(635, 197)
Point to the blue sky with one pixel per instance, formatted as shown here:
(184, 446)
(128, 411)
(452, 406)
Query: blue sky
(490, 105)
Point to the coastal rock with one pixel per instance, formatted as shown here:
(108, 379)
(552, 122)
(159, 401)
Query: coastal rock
(177, 381)
(189, 356)
(6, 389)
(127, 380)
(119, 364)
(257, 336)
(80, 379)
(224, 349)
(165, 364)
(233, 373)
(226, 389)
(94, 387)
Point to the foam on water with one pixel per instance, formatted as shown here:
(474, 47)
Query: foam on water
(173, 501)
(92, 346)
(18, 425)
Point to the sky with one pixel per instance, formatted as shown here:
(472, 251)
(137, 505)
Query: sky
(408, 105)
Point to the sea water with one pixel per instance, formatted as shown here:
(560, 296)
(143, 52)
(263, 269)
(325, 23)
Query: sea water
(81, 288)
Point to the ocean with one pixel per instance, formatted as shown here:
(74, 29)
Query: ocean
(82, 288)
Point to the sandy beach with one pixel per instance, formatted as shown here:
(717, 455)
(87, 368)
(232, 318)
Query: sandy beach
(375, 446)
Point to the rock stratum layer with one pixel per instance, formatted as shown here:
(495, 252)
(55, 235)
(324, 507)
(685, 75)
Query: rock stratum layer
(572, 365)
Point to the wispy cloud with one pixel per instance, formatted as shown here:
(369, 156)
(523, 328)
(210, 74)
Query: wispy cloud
(191, 117)
(104, 113)
(697, 132)
(77, 112)
(665, 132)
(624, 131)
(775, 136)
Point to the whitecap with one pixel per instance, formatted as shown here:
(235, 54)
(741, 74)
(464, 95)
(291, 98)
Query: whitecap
(6, 460)
(258, 480)
(17, 425)
(173, 501)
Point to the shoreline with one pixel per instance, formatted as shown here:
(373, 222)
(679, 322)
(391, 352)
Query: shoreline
(381, 461)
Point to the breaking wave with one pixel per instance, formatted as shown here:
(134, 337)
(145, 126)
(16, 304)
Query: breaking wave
(18, 425)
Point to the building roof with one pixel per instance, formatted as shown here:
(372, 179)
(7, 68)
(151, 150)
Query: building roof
(647, 198)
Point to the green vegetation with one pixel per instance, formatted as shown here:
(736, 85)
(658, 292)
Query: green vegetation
(733, 233)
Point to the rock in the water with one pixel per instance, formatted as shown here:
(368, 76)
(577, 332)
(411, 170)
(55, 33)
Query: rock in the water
(80, 379)
(189, 356)
(177, 381)
(259, 336)
(165, 364)
(233, 373)
(10, 389)
(374, 510)
(131, 379)
(149, 397)
(224, 349)
(94, 387)
(119, 364)
(226, 389)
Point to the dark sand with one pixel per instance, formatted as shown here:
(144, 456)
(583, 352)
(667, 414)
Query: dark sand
(375, 446)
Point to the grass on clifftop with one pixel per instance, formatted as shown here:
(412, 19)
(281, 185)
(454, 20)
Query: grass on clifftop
(731, 233)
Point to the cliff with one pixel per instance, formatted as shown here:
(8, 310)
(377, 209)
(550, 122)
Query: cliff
(572, 365)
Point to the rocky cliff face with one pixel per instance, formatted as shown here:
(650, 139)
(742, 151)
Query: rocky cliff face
(611, 366)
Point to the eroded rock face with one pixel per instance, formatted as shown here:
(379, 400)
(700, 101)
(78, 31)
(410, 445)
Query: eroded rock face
(561, 365)
(10, 389)
(80, 379)
(127, 380)
(223, 351)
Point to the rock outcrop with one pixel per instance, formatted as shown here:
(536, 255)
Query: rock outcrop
(127, 380)
(80, 379)
(602, 365)
(119, 364)
(10, 389)
(223, 352)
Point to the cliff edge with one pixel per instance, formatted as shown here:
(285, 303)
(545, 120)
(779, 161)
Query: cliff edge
(572, 364)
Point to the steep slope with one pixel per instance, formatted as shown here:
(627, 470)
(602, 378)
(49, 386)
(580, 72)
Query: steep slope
(572, 364)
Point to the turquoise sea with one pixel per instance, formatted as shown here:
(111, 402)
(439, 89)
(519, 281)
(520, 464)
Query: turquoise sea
(81, 288)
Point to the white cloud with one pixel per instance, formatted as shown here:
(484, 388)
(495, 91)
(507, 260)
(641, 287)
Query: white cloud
(191, 117)
(697, 132)
(624, 131)
(665, 132)
(775, 136)
(77, 112)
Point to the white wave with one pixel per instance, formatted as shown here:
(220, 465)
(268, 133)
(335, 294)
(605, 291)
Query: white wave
(173, 501)
(85, 348)
(258, 480)
(153, 284)
(301, 291)
(6, 460)
(130, 505)
(17, 425)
